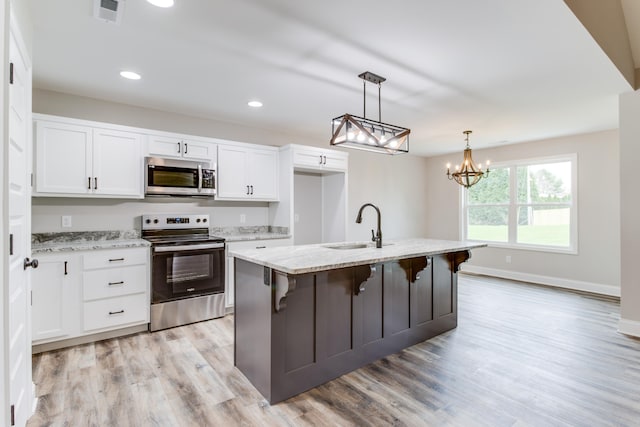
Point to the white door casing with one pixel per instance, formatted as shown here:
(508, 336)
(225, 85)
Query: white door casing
(19, 224)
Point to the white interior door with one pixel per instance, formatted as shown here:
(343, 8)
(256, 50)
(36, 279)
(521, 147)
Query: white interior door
(19, 223)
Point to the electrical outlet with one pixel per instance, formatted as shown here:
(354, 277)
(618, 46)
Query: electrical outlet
(296, 218)
(243, 218)
(66, 221)
(508, 259)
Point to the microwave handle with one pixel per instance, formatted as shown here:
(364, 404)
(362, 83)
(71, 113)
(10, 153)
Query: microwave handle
(199, 178)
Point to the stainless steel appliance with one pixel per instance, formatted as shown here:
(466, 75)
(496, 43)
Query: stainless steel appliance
(170, 177)
(187, 273)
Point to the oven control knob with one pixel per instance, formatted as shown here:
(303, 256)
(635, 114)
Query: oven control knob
(198, 220)
(155, 221)
(148, 221)
(204, 219)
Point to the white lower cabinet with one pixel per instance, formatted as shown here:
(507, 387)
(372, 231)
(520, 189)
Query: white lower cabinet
(82, 293)
(115, 312)
(115, 288)
(246, 244)
(55, 287)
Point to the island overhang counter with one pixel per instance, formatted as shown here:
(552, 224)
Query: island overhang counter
(307, 314)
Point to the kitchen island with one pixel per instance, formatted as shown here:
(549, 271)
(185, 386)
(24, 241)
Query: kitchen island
(307, 314)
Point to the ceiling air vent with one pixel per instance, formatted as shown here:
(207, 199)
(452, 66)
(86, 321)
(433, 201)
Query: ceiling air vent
(108, 10)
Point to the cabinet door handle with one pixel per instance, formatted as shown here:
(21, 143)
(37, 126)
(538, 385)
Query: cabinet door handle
(320, 159)
(115, 259)
(116, 283)
(260, 247)
(325, 160)
(251, 189)
(186, 148)
(95, 182)
(111, 313)
(88, 183)
(179, 147)
(65, 268)
(247, 190)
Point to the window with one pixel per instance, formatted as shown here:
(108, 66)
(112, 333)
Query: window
(529, 204)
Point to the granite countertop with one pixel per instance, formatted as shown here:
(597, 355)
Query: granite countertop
(310, 258)
(239, 234)
(85, 241)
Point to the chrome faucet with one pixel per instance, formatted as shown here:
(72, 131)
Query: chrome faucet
(374, 237)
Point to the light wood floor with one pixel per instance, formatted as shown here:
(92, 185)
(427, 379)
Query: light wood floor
(522, 355)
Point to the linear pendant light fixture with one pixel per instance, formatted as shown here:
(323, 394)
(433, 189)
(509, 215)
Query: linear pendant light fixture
(366, 134)
(467, 174)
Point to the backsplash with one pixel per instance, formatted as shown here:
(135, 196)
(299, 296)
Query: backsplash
(117, 214)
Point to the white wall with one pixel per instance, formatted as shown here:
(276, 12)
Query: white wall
(596, 267)
(396, 184)
(630, 206)
(307, 208)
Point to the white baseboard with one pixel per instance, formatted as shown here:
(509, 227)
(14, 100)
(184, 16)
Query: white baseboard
(576, 285)
(629, 327)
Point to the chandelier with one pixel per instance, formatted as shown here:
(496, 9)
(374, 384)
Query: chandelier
(468, 173)
(366, 134)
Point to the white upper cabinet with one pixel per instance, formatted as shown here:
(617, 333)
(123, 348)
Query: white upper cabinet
(180, 148)
(63, 158)
(247, 173)
(117, 163)
(319, 159)
(83, 161)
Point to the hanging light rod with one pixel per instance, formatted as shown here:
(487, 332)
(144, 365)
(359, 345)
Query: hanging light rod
(468, 173)
(367, 134)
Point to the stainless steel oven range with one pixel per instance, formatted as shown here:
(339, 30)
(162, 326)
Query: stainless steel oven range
(187, 270)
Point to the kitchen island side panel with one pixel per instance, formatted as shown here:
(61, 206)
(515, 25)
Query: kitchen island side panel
(252, 325)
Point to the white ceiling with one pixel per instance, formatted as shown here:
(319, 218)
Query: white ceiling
(511, 71)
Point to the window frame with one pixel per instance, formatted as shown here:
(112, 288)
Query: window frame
(513, 206)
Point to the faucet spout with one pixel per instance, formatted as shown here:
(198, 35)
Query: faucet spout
(378, 236)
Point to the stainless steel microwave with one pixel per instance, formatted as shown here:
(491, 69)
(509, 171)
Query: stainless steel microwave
(169, 177)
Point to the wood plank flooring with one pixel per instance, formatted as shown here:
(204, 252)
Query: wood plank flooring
(522, 355)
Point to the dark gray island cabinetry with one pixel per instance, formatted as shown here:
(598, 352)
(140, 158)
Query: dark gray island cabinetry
(307, 314)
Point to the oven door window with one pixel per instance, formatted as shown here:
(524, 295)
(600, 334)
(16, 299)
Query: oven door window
(184, 274)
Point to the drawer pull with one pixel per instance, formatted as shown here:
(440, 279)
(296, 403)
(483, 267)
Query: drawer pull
(260, 247)
(191, 289)
(115, 312)
(116, 283)
(116, 259)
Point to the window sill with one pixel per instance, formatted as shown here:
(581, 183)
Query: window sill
(534, 248)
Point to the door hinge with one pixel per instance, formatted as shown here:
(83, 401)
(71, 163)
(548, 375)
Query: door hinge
(10, 244)
(11, 73)
(13, 415)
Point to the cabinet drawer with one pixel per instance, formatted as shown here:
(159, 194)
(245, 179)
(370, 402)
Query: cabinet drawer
(116, 258)
(113, 312)
(114, 282)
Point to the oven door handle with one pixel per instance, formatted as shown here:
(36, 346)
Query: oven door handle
(188, 247)
(199, 178)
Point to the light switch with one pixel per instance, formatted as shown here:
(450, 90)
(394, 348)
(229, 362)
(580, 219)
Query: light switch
(243, 218)
(66, 221)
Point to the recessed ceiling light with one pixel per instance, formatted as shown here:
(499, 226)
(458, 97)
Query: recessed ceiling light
(130, 75)
(161, 3)
(254, 104)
